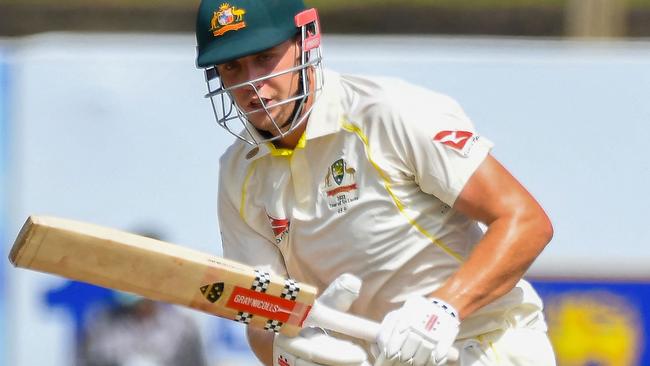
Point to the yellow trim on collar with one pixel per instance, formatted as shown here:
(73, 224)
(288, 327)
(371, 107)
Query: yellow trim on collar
(346, 125)
(274, 151)
(251, 168)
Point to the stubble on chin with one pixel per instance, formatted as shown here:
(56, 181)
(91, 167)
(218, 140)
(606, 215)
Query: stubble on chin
(261, 121)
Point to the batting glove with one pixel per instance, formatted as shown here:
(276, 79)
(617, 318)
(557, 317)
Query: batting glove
(313, 347)
(420, 333)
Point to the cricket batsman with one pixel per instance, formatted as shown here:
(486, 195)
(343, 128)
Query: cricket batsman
(375, 177)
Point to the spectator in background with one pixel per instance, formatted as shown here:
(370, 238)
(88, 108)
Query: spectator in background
(139, 332)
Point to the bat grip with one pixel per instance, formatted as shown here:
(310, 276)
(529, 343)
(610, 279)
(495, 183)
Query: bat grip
(322, 316)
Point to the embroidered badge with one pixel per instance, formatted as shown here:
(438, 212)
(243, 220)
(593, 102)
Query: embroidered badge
(461, 141)
(340, 187)
(338, 170)
(227, 18)
(280, 228)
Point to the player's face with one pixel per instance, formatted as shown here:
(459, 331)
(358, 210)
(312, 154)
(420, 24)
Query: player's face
(271, 91)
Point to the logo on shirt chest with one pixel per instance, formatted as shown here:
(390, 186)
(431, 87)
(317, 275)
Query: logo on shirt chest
(340, 186)
(280, 228)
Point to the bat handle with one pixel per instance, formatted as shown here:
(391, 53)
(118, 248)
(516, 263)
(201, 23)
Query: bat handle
(322, 316)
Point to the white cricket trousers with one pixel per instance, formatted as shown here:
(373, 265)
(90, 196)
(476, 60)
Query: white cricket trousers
(509, 347)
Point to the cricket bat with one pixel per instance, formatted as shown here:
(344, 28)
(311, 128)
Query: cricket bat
(175, 274)
(179, 275)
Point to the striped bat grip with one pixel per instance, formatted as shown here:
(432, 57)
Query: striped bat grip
(322, 316)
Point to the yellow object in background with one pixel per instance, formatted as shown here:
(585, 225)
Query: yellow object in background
(594, 328)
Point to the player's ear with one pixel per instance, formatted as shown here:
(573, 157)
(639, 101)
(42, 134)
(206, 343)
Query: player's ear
(297, 40)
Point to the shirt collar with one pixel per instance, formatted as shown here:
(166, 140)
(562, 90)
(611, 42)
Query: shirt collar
(325, 116)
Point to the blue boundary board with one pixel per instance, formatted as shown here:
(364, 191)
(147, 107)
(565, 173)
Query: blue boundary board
(4, 142)
(606, 310)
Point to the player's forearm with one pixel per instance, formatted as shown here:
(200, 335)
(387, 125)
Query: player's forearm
(261, 342)
(498, 262)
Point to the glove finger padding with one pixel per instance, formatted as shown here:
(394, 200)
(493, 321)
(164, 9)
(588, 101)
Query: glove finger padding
(341, 293)
(381, 360)
(389, 340)
(314, 347)
(423, 354)
(420, 333)
(411, 344)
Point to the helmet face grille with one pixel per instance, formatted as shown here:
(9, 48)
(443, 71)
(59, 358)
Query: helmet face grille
(235, 119)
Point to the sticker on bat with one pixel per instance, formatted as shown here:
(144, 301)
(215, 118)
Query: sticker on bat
(258, 303)
(212, 292)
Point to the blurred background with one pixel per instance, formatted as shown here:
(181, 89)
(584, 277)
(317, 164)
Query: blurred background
(102, 119)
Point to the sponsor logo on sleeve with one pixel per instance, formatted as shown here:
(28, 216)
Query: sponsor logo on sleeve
(459, 141)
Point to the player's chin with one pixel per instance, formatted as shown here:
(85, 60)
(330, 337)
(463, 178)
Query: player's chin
(262, 122)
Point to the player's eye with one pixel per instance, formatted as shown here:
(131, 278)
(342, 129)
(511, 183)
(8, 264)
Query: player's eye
(227, 67)
(265, 57)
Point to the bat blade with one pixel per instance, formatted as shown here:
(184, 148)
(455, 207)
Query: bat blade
(162, 271)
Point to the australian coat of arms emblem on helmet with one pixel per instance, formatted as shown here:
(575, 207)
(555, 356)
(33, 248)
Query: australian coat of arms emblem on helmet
(227, 18)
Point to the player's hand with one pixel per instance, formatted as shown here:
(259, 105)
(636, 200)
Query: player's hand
(313, 347)
(420, 333)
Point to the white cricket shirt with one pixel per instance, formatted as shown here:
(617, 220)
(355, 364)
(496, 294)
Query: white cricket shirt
(369, 190)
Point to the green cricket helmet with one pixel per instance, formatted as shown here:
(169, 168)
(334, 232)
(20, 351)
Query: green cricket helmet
(226, 31)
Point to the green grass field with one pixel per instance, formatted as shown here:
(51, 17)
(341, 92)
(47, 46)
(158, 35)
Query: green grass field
(503, 17)
(325, 4)
(331, 4)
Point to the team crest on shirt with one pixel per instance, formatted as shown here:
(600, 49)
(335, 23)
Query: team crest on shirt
(338, 171)
(459, 141)
(340, 186)
(280, 228)
(227, 18)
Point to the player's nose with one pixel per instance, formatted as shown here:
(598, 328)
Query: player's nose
(253, 73)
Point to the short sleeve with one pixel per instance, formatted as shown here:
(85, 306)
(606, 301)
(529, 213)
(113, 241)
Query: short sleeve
(444, 148)
(243, 244)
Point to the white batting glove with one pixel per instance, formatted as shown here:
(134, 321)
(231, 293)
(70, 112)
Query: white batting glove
(313, 347)
(420, 333)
